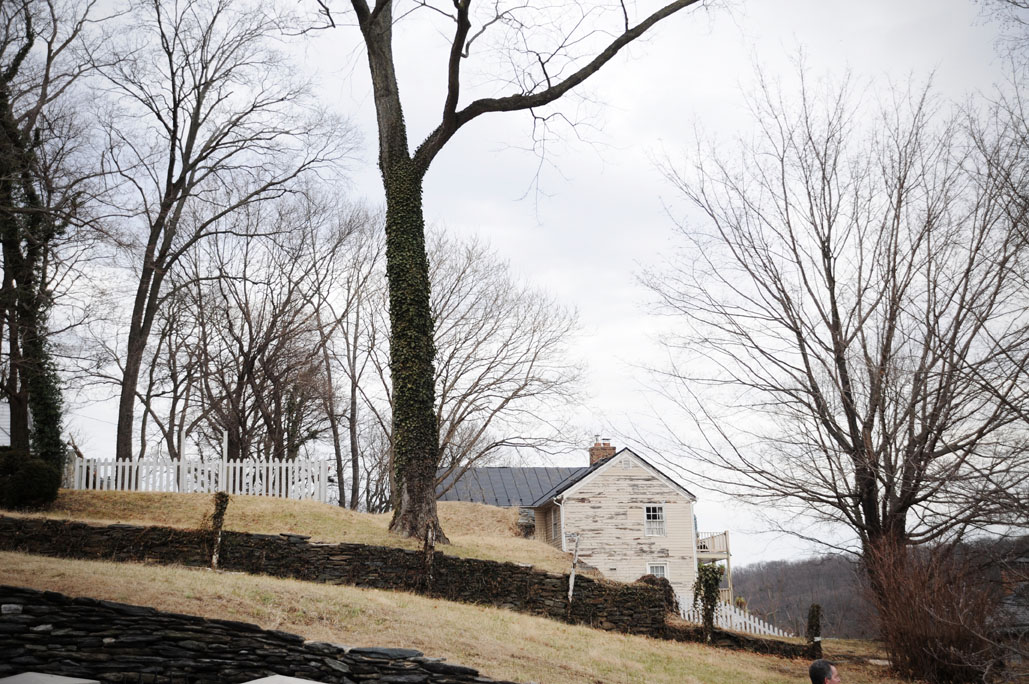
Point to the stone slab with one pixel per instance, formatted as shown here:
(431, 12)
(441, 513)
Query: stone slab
(40, 678)
(277, 679)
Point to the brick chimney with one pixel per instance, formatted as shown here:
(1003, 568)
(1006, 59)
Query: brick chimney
(600, 450)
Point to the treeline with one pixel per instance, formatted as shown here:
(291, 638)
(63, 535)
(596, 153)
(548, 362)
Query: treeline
(781, 592)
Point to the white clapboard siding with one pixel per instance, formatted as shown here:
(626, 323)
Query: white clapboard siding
(284, 479)
(5, 424)
(732, 618)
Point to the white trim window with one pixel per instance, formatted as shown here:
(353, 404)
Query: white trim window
(657, 569)
(654, 521)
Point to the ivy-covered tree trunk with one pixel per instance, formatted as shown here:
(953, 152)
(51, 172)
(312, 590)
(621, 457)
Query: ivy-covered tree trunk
(415, 436)
(412, 349)
(705, 593)
(27, 231)
(12, 294)
(15, 391)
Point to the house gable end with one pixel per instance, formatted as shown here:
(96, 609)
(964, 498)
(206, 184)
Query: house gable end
(581, 482)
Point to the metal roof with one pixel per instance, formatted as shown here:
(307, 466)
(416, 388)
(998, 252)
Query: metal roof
(528, 487)
(498, 486)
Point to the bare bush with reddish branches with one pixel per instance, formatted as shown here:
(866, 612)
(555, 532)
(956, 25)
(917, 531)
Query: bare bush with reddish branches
(938, 611)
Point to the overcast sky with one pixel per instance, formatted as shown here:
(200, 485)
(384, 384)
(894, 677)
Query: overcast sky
(603, 212)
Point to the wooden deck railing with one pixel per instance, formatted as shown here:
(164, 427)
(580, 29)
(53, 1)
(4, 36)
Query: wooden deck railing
(713, 542)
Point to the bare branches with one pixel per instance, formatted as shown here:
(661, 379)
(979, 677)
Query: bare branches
(502, 376)
(861, 292)
(211, 121)
(553, 91)
(500, 362)
(44, 190)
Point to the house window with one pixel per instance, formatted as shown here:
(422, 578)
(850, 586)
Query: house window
(657, 569)
(555, 524)
(626, 463)
(655, 521)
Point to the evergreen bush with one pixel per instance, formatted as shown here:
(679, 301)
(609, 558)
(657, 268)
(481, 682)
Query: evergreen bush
(27, 482)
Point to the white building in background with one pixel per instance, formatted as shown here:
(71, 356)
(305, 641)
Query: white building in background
(5, 424)
(627, 517)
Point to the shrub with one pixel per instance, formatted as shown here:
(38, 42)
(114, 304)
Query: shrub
(27, 482)
(936, 614)
(705, 592)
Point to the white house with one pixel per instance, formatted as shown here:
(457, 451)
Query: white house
(628, 518)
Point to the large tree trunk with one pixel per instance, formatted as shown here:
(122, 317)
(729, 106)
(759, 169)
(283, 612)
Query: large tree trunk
(415, 434)
(14, 389)
(415, 437)
(144, 309)
(355, 452)
(32, 387)
(127, 398)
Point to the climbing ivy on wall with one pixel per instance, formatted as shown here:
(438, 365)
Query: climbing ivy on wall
(705, 593)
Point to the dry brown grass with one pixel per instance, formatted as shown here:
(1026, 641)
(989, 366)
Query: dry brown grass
(849, 649)
(475, 531)
(502, 644)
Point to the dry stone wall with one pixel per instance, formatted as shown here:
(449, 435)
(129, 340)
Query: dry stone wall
(115, 642)
(633, 608)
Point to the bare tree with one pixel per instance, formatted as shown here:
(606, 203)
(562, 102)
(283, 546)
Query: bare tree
(171, 396)
(349, 297)
(246, 336)
(502, 374)
(259, 337)
(208, 120)
(543, 52)
(856, 331)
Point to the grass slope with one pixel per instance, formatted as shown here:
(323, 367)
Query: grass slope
(500, 643)
(476, 531)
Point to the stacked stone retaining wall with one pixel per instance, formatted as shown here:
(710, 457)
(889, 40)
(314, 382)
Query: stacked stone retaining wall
(640, 608)
(633, 608)
(114, 642)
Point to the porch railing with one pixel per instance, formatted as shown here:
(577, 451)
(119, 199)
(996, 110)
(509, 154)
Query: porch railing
(713, 542)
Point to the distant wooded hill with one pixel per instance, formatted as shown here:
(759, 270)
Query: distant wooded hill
(781, 592)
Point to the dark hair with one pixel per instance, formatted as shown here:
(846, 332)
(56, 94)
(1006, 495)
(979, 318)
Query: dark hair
(820, 671)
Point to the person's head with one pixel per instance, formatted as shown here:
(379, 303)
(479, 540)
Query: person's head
(823, 672)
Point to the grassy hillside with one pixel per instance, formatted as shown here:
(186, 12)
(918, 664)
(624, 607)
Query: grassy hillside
(502, 644)
(476, 531)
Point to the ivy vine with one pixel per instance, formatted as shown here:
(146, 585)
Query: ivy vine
(705, 593)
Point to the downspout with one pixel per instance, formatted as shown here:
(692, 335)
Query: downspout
(696, 559)
(728, 568)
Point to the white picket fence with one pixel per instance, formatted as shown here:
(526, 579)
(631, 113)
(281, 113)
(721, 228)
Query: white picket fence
(284, 479)
(730, 617)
